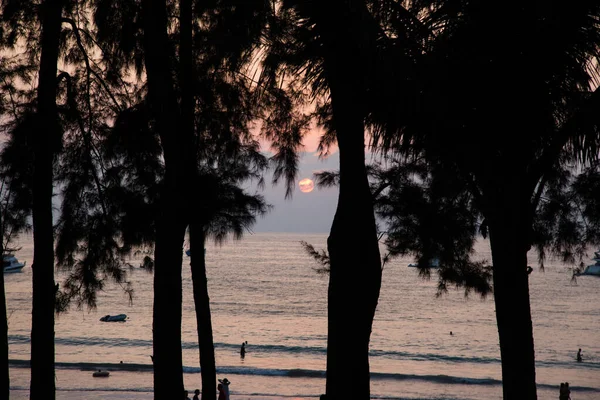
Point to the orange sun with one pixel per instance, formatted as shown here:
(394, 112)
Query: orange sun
(306, 185)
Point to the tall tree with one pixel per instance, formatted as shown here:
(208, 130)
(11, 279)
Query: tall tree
(47, 138)
(162, 99)
(334, 54)
(509, 143)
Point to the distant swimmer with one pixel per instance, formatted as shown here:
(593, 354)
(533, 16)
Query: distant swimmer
(243, 350)
(579, 357)
(529, 270)
(451, 334)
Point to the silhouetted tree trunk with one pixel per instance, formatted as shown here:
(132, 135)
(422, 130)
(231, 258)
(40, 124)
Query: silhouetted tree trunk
(4, 375)
(203, 316)
(47, 137)
(355, 277)
(168, 368)
(509, 227)
(197, 237)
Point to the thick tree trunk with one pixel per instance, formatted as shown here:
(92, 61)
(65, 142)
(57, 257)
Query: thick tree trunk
(203, 317)
(166, 326)
(46, 139)
(168, 365)
(355, 278)
(509, 229)
(4, 375)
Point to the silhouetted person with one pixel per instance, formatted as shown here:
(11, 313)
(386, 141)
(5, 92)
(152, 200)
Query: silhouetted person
(567, 391)
(223, 389)
(579, 357)
(196, 394)
(185, 395)
(243, 350)
(561, 393)
(451, 333)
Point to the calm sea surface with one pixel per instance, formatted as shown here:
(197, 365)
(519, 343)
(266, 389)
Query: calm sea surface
(263, 290)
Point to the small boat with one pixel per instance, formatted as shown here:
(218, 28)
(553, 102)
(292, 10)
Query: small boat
(11, 264)
(100, 374)
(433, 263)
(114, 318)
(593, 269)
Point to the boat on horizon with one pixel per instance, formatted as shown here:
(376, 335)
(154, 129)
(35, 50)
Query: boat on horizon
(593, 269)
(433, 263)
(11, 264)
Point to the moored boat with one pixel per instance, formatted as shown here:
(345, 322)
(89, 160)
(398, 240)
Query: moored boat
(114, 318)
(11, 264)
(593, 269)
(433, 263)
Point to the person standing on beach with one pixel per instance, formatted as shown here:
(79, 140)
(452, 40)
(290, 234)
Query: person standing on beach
(196, 394)
(185, 395)
(579, 357)
(223, 389)
(243, 350)
(565, 392)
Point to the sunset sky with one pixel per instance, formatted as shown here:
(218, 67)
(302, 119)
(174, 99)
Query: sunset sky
(304, 212)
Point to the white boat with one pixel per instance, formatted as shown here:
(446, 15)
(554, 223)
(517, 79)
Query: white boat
(114, 318)
(11, 264)
(593, 269)
(433, 263)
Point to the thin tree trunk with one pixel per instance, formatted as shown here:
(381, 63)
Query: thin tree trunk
(168, 364)
(203, 316)
(197, 237)
(46, 139)
(509, 243)
(4, 373)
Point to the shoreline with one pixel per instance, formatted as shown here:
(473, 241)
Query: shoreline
(75, 394)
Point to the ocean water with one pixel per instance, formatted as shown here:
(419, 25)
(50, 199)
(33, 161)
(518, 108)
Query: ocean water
(264, 290)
